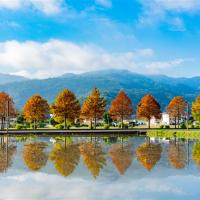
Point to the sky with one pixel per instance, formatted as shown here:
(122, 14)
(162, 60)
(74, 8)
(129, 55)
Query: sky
(47, 38)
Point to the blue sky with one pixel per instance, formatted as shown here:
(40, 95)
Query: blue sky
(41, 39)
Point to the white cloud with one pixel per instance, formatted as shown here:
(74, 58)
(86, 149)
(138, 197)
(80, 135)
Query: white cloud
(104, 3)
(46, 6)
(163, 65)
(158, 10)
(42, 186)
(55, 57)
(179, 5)
(171, 5)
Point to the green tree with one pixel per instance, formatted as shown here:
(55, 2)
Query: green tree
(107, 118)
(196, 109)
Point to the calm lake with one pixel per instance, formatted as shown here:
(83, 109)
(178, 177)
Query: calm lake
(98, 168)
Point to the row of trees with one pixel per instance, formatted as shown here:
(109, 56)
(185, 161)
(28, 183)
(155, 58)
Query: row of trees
(67, 108)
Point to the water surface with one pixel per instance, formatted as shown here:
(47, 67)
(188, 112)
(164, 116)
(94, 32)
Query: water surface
(98, 168)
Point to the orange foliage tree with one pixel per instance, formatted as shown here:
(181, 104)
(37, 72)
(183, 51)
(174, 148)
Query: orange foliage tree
(94, 107)
(36, 109)
(34, 156)
(121, 156)
(177, 155)
(148, 108)
(121, 107)
(66, 107)
(176, 108)
(93, 157)
(7, 108)
(149, 154)
(65, 157)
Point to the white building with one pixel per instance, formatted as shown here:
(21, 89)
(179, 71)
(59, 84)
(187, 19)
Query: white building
(165, 120)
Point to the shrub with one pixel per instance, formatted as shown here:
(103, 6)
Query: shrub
(125, 126)
(53, 121)
(59, 126)
(106, 126)
(32, 126)
(68, 125)
(192, 126)
(183, 126)
(41, 125)
(196, 126)
(167, 126)
(91, 126)
(20, 126)
(162, 126)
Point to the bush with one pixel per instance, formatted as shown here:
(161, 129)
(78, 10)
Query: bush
(53, 122)
(68, 125)
(91, 126)
(59, 126)
(192, 126)
(41, 125)
(106, 126)
(125, 126)
(32, 126)
(20, 126)
(84, 125)
(162, 126)
(183, 126)
(167, 126)
(196, 126)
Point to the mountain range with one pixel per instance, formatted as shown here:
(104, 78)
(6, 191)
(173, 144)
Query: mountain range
(164, 88)
(6, 78)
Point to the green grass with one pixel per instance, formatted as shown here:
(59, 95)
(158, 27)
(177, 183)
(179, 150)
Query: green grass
(182, 134)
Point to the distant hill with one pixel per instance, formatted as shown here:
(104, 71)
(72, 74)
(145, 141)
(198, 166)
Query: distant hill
(6, 78)
(109, 82)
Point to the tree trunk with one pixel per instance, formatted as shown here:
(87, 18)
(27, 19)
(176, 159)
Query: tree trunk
(175, 122)
(4, 123)
(95, 122)
(34, 125)
(178, 118)
(90, 124)
(122, 121)
(149, 123)
(178, 122)
(65, 126)
(1, 123)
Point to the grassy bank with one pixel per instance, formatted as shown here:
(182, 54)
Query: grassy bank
(182, 134)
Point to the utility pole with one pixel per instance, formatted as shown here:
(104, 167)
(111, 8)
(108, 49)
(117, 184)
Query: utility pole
(187, 114)
(8, 114)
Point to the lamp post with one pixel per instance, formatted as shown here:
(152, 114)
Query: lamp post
(8, 114)
(187, 114)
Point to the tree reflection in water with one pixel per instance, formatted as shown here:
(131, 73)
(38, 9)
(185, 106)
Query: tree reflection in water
(93, 157)
(7, 152)
(34, 156)
(177, 155)
(65, 157)
(121, 156)
(149, 154)
(196, 153)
